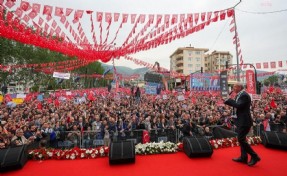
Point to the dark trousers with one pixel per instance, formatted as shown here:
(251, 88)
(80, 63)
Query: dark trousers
(244, 146)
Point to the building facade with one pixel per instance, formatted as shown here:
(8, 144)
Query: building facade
(216, 61)
(188, 60)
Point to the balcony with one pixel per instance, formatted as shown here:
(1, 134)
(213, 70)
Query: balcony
(179, 56)
(179, 61)
(180, 64)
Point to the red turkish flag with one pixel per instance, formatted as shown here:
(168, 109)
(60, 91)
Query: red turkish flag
(78, 14)
(280, 64)
(46, 27)
(68, 11)
(265, 65)
(133, 18)
(151, 18)
(66, 24)
(215, 16)
(174, 19)
(40, 21)
(203, 14)
(158, 19)
(142, 18)
(54, 24)
(189, 18)
(230, 12)
(108, 17)
(63, 35)
(222, 15)
(47, 10)
(182, 17)
(10, 4)
(59, 11)
(125, 18)
(196, 16)
(51, 32)
(63, 19)
(58, 30)
(273, 64)
(258, 65)
(25, 6)
(116, 17)
(26, 18)
(32, 14)
(19, 12)
(36, 7)
(49, 17)
(99, 16)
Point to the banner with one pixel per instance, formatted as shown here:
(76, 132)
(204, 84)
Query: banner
(61, 75)
(204, 81)
(223, 84)
(151, 88)
(250, 82)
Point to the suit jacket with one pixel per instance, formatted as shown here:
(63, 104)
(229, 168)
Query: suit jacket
(242, 106)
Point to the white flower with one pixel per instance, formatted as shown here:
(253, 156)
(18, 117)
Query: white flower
(50, 154)
(40, 155)
(73, 156)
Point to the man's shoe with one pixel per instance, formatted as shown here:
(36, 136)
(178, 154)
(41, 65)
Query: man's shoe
(254, 160)
(240, 160)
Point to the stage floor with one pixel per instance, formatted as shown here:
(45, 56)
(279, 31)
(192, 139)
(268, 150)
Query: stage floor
(273, 163)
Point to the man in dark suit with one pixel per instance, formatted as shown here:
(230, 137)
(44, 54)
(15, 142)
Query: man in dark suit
(243, 121)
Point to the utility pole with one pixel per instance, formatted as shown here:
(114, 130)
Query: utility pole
(236, 45)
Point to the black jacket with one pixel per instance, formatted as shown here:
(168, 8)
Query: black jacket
(242, 106)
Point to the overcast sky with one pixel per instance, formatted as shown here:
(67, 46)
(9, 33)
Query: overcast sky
(263, 37)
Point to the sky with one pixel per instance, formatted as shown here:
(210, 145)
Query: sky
(262, 37)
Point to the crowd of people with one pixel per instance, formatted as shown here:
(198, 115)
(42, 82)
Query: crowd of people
(119, 113)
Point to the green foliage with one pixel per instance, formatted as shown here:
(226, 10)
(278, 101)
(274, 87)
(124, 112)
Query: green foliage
(14, 53)
(271, 80)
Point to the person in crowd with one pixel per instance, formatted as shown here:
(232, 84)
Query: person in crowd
(243, 121)
(19, 138)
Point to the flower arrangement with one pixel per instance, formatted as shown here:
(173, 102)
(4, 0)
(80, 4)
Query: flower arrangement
(156, 148)
(140, 149)
(75, 153)
(232, 142)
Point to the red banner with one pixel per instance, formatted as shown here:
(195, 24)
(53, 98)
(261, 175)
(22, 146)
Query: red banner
(250, 82)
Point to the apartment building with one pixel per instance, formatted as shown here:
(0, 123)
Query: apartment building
(188, 60)
(216, 61)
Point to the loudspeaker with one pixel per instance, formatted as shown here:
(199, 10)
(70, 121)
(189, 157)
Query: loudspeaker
(197, 147)
(220, 133)
(274, 139)
(122, 152)
(13, 158)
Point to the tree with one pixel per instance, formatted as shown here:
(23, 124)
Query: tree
(271, 80)
(13, 53)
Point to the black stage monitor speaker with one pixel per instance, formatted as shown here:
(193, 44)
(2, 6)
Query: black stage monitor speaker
(197, 147)
(122, 152)
(220, 133)
(13, 158)
(274, 139)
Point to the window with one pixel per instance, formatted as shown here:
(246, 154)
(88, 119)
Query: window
(198, 59)
(197, 65)
(190, 71)
(197, 52)
(189, 59)
(189, 65)
(189, 53)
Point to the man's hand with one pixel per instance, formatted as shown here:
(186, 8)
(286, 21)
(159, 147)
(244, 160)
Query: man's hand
(225, 98)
